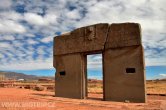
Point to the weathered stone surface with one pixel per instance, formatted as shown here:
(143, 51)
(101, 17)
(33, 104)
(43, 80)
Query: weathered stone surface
(123, 61)
(123, 34)
(70, 83)
(85, 39)
(119, 85)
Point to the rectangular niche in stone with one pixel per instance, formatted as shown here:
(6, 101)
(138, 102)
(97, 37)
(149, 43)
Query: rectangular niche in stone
(130, 70)
(62, 73)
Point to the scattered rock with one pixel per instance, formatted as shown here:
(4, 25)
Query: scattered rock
(39, 88)
(2, 85)
(127, 101)
(27, 87)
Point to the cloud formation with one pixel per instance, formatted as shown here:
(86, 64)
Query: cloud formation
(27, 28)
(163, 75)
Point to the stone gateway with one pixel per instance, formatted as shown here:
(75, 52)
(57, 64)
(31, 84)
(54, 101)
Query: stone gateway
(123, 61)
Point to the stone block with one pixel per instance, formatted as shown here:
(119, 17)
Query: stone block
(123, 61)
(123, 35)
(124, 74)
(69, 74)
(85, 39)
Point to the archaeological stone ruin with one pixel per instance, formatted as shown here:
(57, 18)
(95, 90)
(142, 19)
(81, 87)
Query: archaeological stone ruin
(123, 61)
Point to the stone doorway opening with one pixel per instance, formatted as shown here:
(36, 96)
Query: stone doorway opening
(94, 76)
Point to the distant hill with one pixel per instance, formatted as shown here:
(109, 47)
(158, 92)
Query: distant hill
(16, 76)
(164, 79)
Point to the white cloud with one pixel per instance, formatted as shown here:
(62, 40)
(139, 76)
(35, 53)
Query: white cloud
(30, 41)
(157, 61)
(36, 19)
(9, 26)
(5, 4)
(30, 35)
(45, 18)
(41, 50)
(94, 65)
(8, 37)
(29, 65)
(50, 18)
(94, 61)
(17, 43)
(11, 15)
(1, 56)
(163, 75)
(4, 45)
(47, 39)
(74, 14)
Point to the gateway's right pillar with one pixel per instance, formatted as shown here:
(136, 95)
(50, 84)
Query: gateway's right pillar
(124, 69)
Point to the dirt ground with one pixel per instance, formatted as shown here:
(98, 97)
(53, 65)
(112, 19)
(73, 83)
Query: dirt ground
(156, 87)
(27, 99)
(152, 86)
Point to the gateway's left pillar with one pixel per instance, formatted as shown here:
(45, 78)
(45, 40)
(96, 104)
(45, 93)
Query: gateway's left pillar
(68, 77)
(69, 69)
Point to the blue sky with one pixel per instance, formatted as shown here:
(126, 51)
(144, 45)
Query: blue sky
(27, 28)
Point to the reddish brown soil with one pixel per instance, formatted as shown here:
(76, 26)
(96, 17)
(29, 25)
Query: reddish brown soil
(47, 101)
